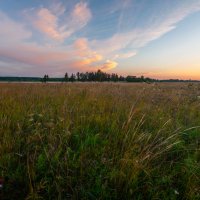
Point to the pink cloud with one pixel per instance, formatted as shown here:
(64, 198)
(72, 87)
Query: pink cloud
(84, 51)
(30, 58)
(11, 31)
(48, 21)
(81, 44)
(34, 55)
(81, 13)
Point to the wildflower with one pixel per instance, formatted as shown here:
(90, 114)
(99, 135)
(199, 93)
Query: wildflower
(19, 154)
(176, 192)
(1, 183)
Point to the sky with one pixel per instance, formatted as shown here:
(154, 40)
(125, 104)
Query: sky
(155, 38)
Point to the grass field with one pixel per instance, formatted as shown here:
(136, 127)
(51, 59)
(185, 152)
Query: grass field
(100, 141)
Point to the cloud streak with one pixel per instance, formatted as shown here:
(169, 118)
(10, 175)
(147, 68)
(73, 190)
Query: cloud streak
(48, 21)
(137, 38)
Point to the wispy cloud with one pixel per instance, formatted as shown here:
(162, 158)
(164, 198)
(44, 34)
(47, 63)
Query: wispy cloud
(140, 37)
(57, 8)
(125, 55)
(46, 22)
(49, 21)
(81, 14)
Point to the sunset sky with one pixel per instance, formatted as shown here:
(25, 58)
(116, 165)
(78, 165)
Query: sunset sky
(154, 38)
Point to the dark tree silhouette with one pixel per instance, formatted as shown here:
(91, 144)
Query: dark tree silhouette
(45, 78)
(66, 78)
(72, 78)
(78, 76)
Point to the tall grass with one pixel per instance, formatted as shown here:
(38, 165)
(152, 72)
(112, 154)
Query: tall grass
(100, 141)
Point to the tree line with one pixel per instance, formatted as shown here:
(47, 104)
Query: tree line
(99, 76)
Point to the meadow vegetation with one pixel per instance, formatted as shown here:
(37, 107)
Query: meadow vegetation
(100, 141)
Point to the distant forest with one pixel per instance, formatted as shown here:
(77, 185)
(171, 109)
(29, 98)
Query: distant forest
(97, 76)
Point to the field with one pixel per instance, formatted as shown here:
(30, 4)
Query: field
(100, 141)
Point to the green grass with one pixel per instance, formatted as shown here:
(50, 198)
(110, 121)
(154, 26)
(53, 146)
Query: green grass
(100, 141)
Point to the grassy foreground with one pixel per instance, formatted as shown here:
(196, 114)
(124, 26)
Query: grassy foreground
(100, 141)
